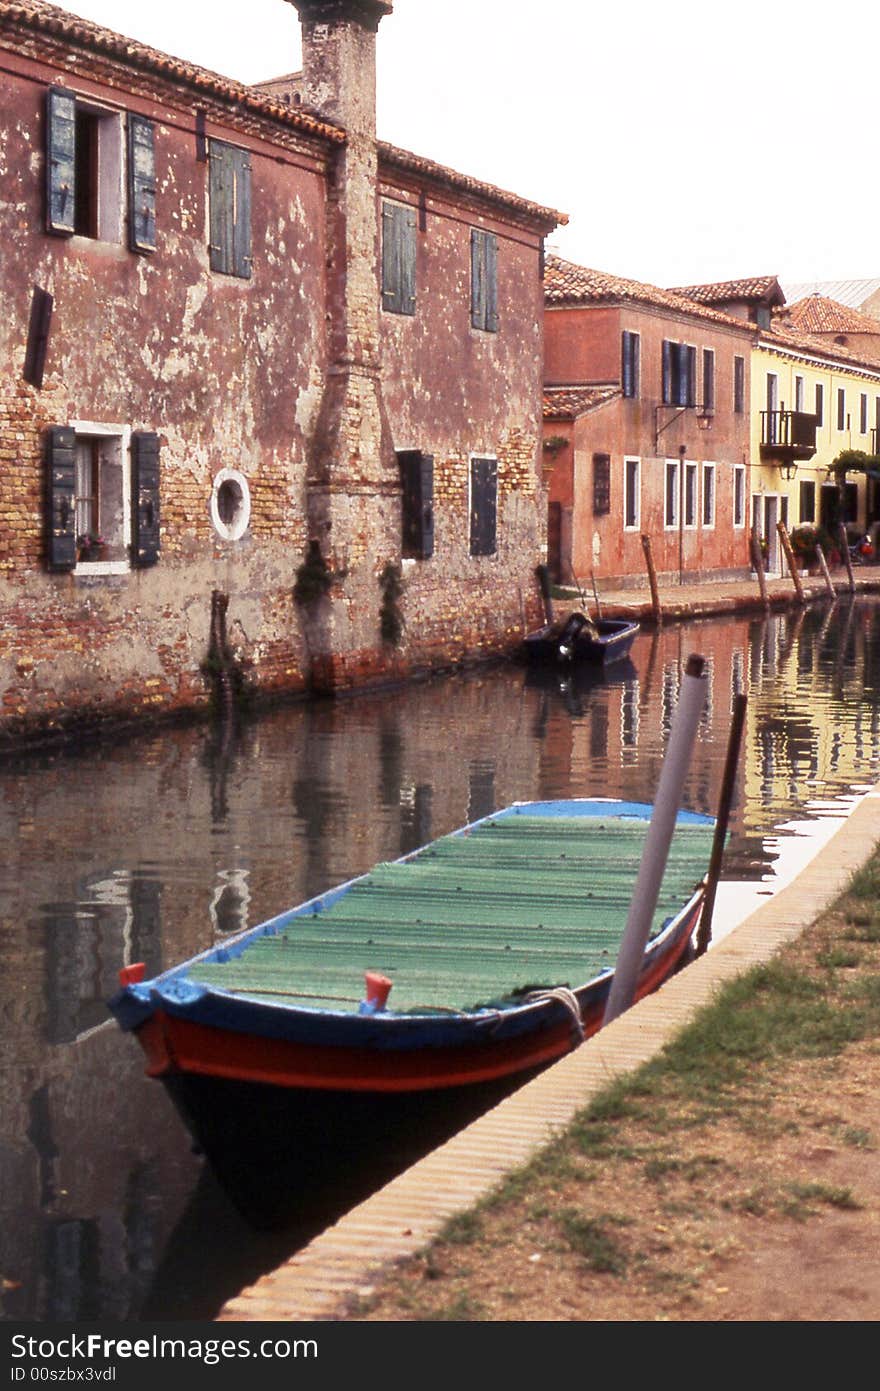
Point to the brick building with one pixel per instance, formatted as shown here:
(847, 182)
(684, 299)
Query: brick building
(243, 337)
(646, 430)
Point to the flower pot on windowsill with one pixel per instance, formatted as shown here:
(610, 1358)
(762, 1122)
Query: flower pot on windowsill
(96, 551)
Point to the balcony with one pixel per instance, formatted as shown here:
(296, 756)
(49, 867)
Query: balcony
(787, 436)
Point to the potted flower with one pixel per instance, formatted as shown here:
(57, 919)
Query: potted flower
(90, 546)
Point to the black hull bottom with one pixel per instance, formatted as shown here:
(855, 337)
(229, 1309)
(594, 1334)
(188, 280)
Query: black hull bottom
(286, 1157)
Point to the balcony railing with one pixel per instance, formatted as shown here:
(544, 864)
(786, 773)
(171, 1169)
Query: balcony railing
(787, 434)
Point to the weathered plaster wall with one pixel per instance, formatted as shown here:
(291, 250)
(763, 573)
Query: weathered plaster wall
(228, 371)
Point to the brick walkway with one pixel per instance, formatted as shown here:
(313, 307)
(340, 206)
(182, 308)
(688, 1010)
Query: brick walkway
(403, 1217)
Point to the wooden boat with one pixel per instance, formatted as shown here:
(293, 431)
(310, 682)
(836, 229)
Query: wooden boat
(581, 639)
(485, 954)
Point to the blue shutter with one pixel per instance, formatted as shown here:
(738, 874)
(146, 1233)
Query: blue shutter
(145, 498)
(221, 196)
(141, 184)
(690, 376)
(667, 371)
(408, 261)
(60, 161)
(38, 336)
(417, 504)
(60, 489)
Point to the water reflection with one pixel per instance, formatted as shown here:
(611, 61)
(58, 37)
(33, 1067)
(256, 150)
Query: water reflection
(151, 849)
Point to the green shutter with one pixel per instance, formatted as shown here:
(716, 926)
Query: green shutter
(60, 161)
(38, 336)
(241, 232)
(221, 196)
(145, 498)
(60, 489)
(141, 184)
(398, 259)
(484, 280)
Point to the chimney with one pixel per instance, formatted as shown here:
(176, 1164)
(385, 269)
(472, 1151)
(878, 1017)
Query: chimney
(353, 479)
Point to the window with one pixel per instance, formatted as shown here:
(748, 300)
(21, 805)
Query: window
(100, 511)
(632, 502)
(863, 414)
(709, 495)
(484, 280)
(690, 495)
(229, 197)
(679, 374)
(670, 506)
(739, 495)
(771, 418)
(739, 385)
(483, 506)
(230, 504)
(84, 172)
(708, 379)
(807, 504)
(820, 404)
(841, 408)
(601, 484)
(798, 393)
(629, 363)
(417, 504)
(398, 258)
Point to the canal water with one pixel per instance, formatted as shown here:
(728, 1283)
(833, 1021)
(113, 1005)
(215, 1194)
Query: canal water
(152, 848)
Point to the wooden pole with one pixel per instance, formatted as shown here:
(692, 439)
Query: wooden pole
(758, 562)
(655, 853)
(652, 580)
(596, 595)
(704, 933)
(823, 566)
(844, 551)
(792, 562)
(544, 581)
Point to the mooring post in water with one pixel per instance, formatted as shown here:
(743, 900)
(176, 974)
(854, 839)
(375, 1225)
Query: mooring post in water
(823, 566)
(844, 551)
(725, 801)
(758, 563)
(646, 891)
(652, 580)
(791, 560)
(544, 581)
(220, 655)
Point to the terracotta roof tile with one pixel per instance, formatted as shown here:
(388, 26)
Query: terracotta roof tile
(566, 402)
(392, 157)
(565, 283)
(725, 291)
(49, 19)
(818, 314)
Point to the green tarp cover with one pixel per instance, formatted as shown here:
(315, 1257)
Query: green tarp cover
(519, 901)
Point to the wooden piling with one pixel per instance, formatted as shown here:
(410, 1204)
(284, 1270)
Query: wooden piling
(823, 566)
(758, 563)
(595, 595)
(792, 562)
(652, 580)
(844, 551)
(725, 801)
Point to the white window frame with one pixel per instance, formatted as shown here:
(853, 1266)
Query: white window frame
(691, 499)
(709, 471)
(798, 392)
(627, 460)
(230, 530)
(92, 429)
(671, 466)
(739, 475)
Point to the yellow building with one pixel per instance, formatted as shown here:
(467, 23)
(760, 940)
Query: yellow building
(810, 401)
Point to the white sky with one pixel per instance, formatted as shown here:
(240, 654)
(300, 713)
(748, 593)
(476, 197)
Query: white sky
(687, 141)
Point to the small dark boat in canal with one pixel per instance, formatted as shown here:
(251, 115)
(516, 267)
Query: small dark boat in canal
(580, 639)
(486, 955)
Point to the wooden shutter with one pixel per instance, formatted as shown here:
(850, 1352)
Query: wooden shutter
(689, 372)
(141, 184)
(398, 259)
(60, 490)
(601, 484)
(60, 162)
(484, 493)
(417, 483)
(145, 498)
(241, 232)
(38, 336)
(484, 280)
(667, 371)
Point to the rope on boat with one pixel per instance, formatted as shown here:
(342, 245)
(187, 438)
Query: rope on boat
(569, 1000)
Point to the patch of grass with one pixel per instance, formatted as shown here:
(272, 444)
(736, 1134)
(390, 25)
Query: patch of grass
(591, 1238)
(856, 1137)
(461, 1229)
(797, 1205)
(462, 1309)
(839, 957)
